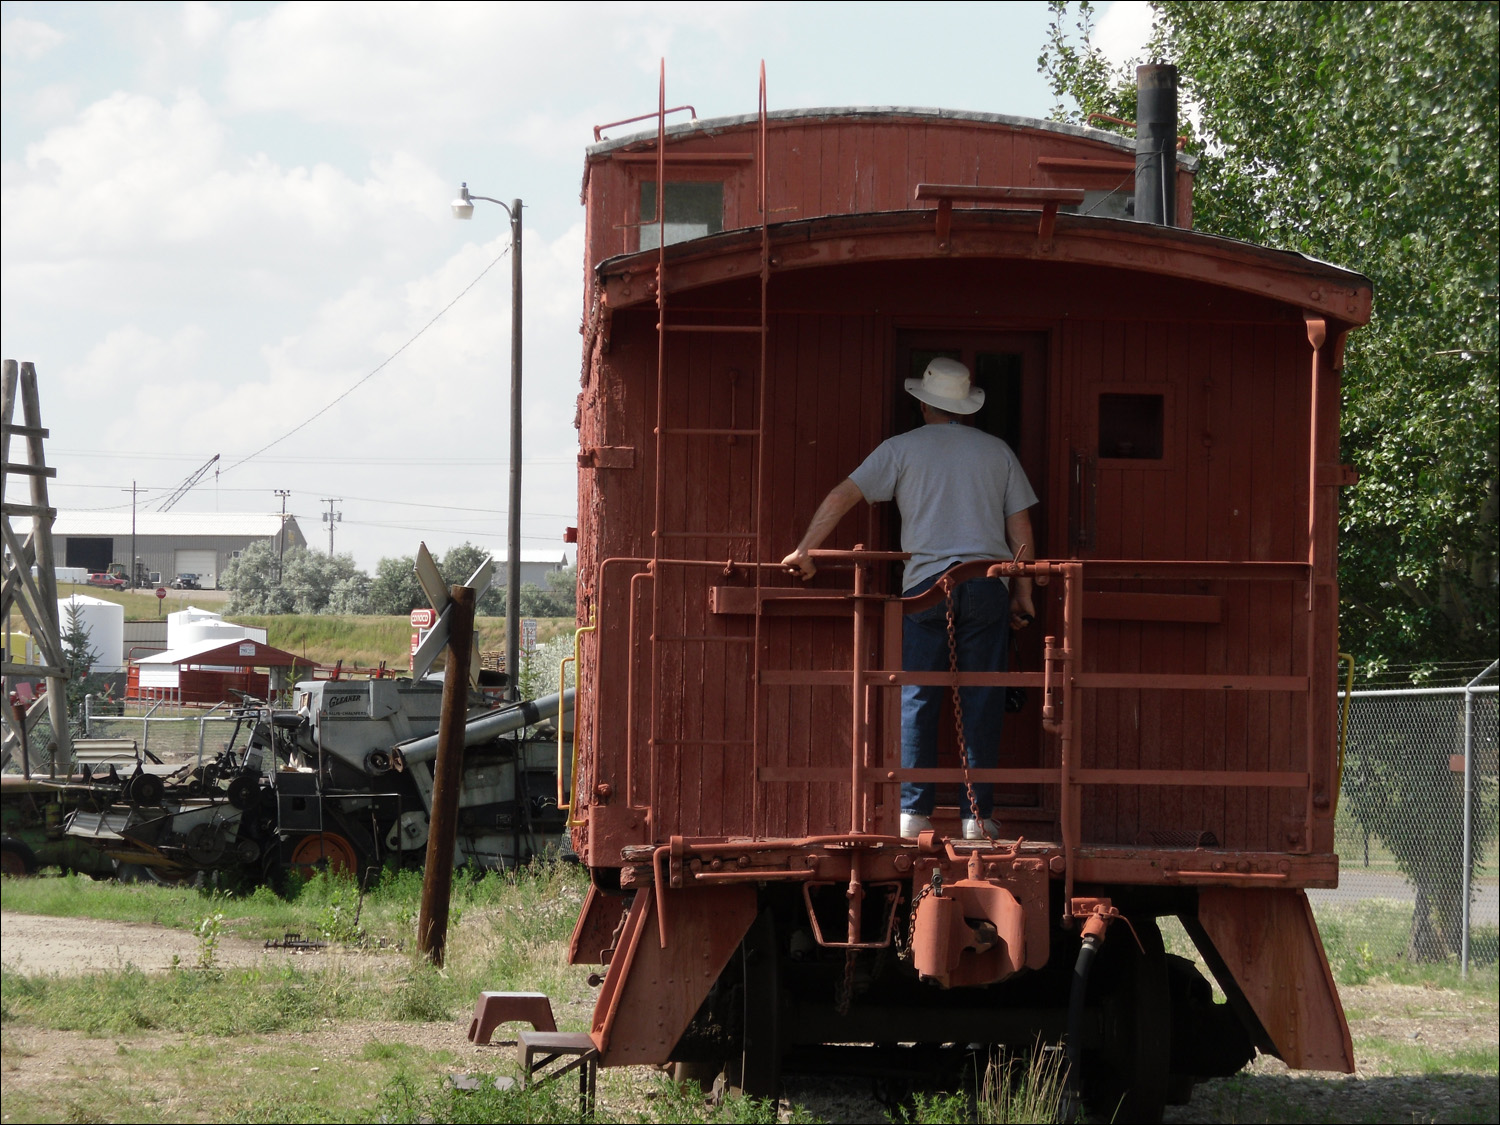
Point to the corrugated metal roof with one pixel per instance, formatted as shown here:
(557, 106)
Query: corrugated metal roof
(253, 524)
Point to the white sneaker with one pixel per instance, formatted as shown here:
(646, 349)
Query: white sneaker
(986, 829)
(914, 824)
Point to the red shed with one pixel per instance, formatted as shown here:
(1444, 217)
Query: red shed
(1174, 398)
(207, 672)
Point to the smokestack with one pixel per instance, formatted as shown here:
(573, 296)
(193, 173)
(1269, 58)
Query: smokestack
(1156, 144)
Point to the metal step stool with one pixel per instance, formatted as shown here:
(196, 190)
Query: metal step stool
(548, 1055)
(494, 1008)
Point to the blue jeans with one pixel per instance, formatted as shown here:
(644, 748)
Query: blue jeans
(982, 631)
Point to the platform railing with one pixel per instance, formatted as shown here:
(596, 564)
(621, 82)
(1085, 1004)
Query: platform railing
(1063, 682)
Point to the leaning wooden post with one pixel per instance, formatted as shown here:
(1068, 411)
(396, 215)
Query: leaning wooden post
(447, 780)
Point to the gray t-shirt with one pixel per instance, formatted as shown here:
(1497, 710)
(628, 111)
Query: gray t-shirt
(955, 486)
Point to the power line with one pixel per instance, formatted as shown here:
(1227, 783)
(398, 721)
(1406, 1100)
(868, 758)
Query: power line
(380, 367)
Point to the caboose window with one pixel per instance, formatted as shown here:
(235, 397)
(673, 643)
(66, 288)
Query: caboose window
(694, 208)
(1130, 427)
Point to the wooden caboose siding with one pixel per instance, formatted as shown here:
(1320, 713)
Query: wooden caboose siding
(703, 696)
(1218, 272)
(841, 162)
(1216, 327)
(1235, 490)
(1231, 486)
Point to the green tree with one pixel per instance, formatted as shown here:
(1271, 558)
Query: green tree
(559, 599)
(1363, 134)
(1401, 789)
(310, 578)
(306, 584)
(395, 590)
(80, 657)
(252, 582)
(460, 563)
(350, 595)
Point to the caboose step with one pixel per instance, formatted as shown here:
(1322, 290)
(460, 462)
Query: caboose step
(547, 1055)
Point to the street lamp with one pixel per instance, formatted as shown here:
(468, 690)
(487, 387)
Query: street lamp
(463, 208)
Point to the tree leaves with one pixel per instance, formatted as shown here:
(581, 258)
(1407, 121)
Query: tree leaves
(1363, 134)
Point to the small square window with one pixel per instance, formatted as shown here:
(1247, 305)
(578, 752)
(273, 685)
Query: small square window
(694, 209)
(1130, 427)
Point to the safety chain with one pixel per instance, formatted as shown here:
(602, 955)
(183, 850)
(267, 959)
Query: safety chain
(845, 994)
(958, 710)
(904, 947)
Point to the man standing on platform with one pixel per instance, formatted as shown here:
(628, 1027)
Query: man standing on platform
(963, 497)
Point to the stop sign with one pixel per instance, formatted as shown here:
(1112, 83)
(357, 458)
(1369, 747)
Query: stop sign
(161, 592)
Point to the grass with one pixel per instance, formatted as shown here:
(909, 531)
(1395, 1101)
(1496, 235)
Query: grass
(1014, 1088)
(356, 1037)
(359, 641)
(506, 930)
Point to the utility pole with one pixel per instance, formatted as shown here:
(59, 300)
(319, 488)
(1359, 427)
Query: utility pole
(281, 535)
(133, 491)
(463, 208)
(331, 517)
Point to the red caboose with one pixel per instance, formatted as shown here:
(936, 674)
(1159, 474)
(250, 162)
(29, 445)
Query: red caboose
(1174, 398)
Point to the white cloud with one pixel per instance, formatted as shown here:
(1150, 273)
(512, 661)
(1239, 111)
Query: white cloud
(201, 22)
(371, 66)
(1123, 31)
(133, 178)
(28, 39)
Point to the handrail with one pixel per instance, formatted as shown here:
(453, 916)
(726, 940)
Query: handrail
(567, 806)
(1061, 675)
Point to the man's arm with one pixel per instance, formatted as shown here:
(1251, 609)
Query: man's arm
(1023, 547)
(843, 496)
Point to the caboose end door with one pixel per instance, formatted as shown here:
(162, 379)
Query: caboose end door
(1011, 368)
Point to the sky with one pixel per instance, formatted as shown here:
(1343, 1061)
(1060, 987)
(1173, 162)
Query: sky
(225, 228)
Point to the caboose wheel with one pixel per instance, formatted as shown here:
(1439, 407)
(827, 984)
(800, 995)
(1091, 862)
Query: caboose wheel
(1126, 1077)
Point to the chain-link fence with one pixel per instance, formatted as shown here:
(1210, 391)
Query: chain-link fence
(1417, 827)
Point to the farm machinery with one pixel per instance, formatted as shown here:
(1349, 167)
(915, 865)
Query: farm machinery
(343, 778)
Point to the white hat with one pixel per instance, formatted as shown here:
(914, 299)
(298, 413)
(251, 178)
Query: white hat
(945, 385)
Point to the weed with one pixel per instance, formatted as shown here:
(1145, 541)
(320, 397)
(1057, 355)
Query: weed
(339, 920)
(423, 995)
(208, 941)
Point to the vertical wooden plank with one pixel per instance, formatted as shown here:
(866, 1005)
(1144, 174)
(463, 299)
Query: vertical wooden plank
(780, 480)
(840, 185)
(1211, 504)
(1287, 716)
(785, 173)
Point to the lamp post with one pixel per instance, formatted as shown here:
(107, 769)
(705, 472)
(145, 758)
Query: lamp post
(463, 208)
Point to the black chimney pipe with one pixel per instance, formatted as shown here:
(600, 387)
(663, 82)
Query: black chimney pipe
(1156, 144)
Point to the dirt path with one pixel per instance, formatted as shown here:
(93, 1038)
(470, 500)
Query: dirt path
(34, 943)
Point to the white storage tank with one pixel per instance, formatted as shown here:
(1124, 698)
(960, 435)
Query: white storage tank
(105, 622)
(190, 627)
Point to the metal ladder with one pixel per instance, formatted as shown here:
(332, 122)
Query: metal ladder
(661, 534)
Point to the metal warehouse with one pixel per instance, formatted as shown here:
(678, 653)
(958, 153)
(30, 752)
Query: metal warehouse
(168, 543)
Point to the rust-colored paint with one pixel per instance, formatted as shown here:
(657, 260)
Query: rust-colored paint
(1268, 941)
(652, 989)
(598, 923)
(1179, 730)
(493, 1009)
(324, 848)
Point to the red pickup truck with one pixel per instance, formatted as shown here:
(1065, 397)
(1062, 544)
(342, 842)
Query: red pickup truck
(107, 581)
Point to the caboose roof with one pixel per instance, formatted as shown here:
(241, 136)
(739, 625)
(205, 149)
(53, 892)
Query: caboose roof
(711, 126)
(1280, 275)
